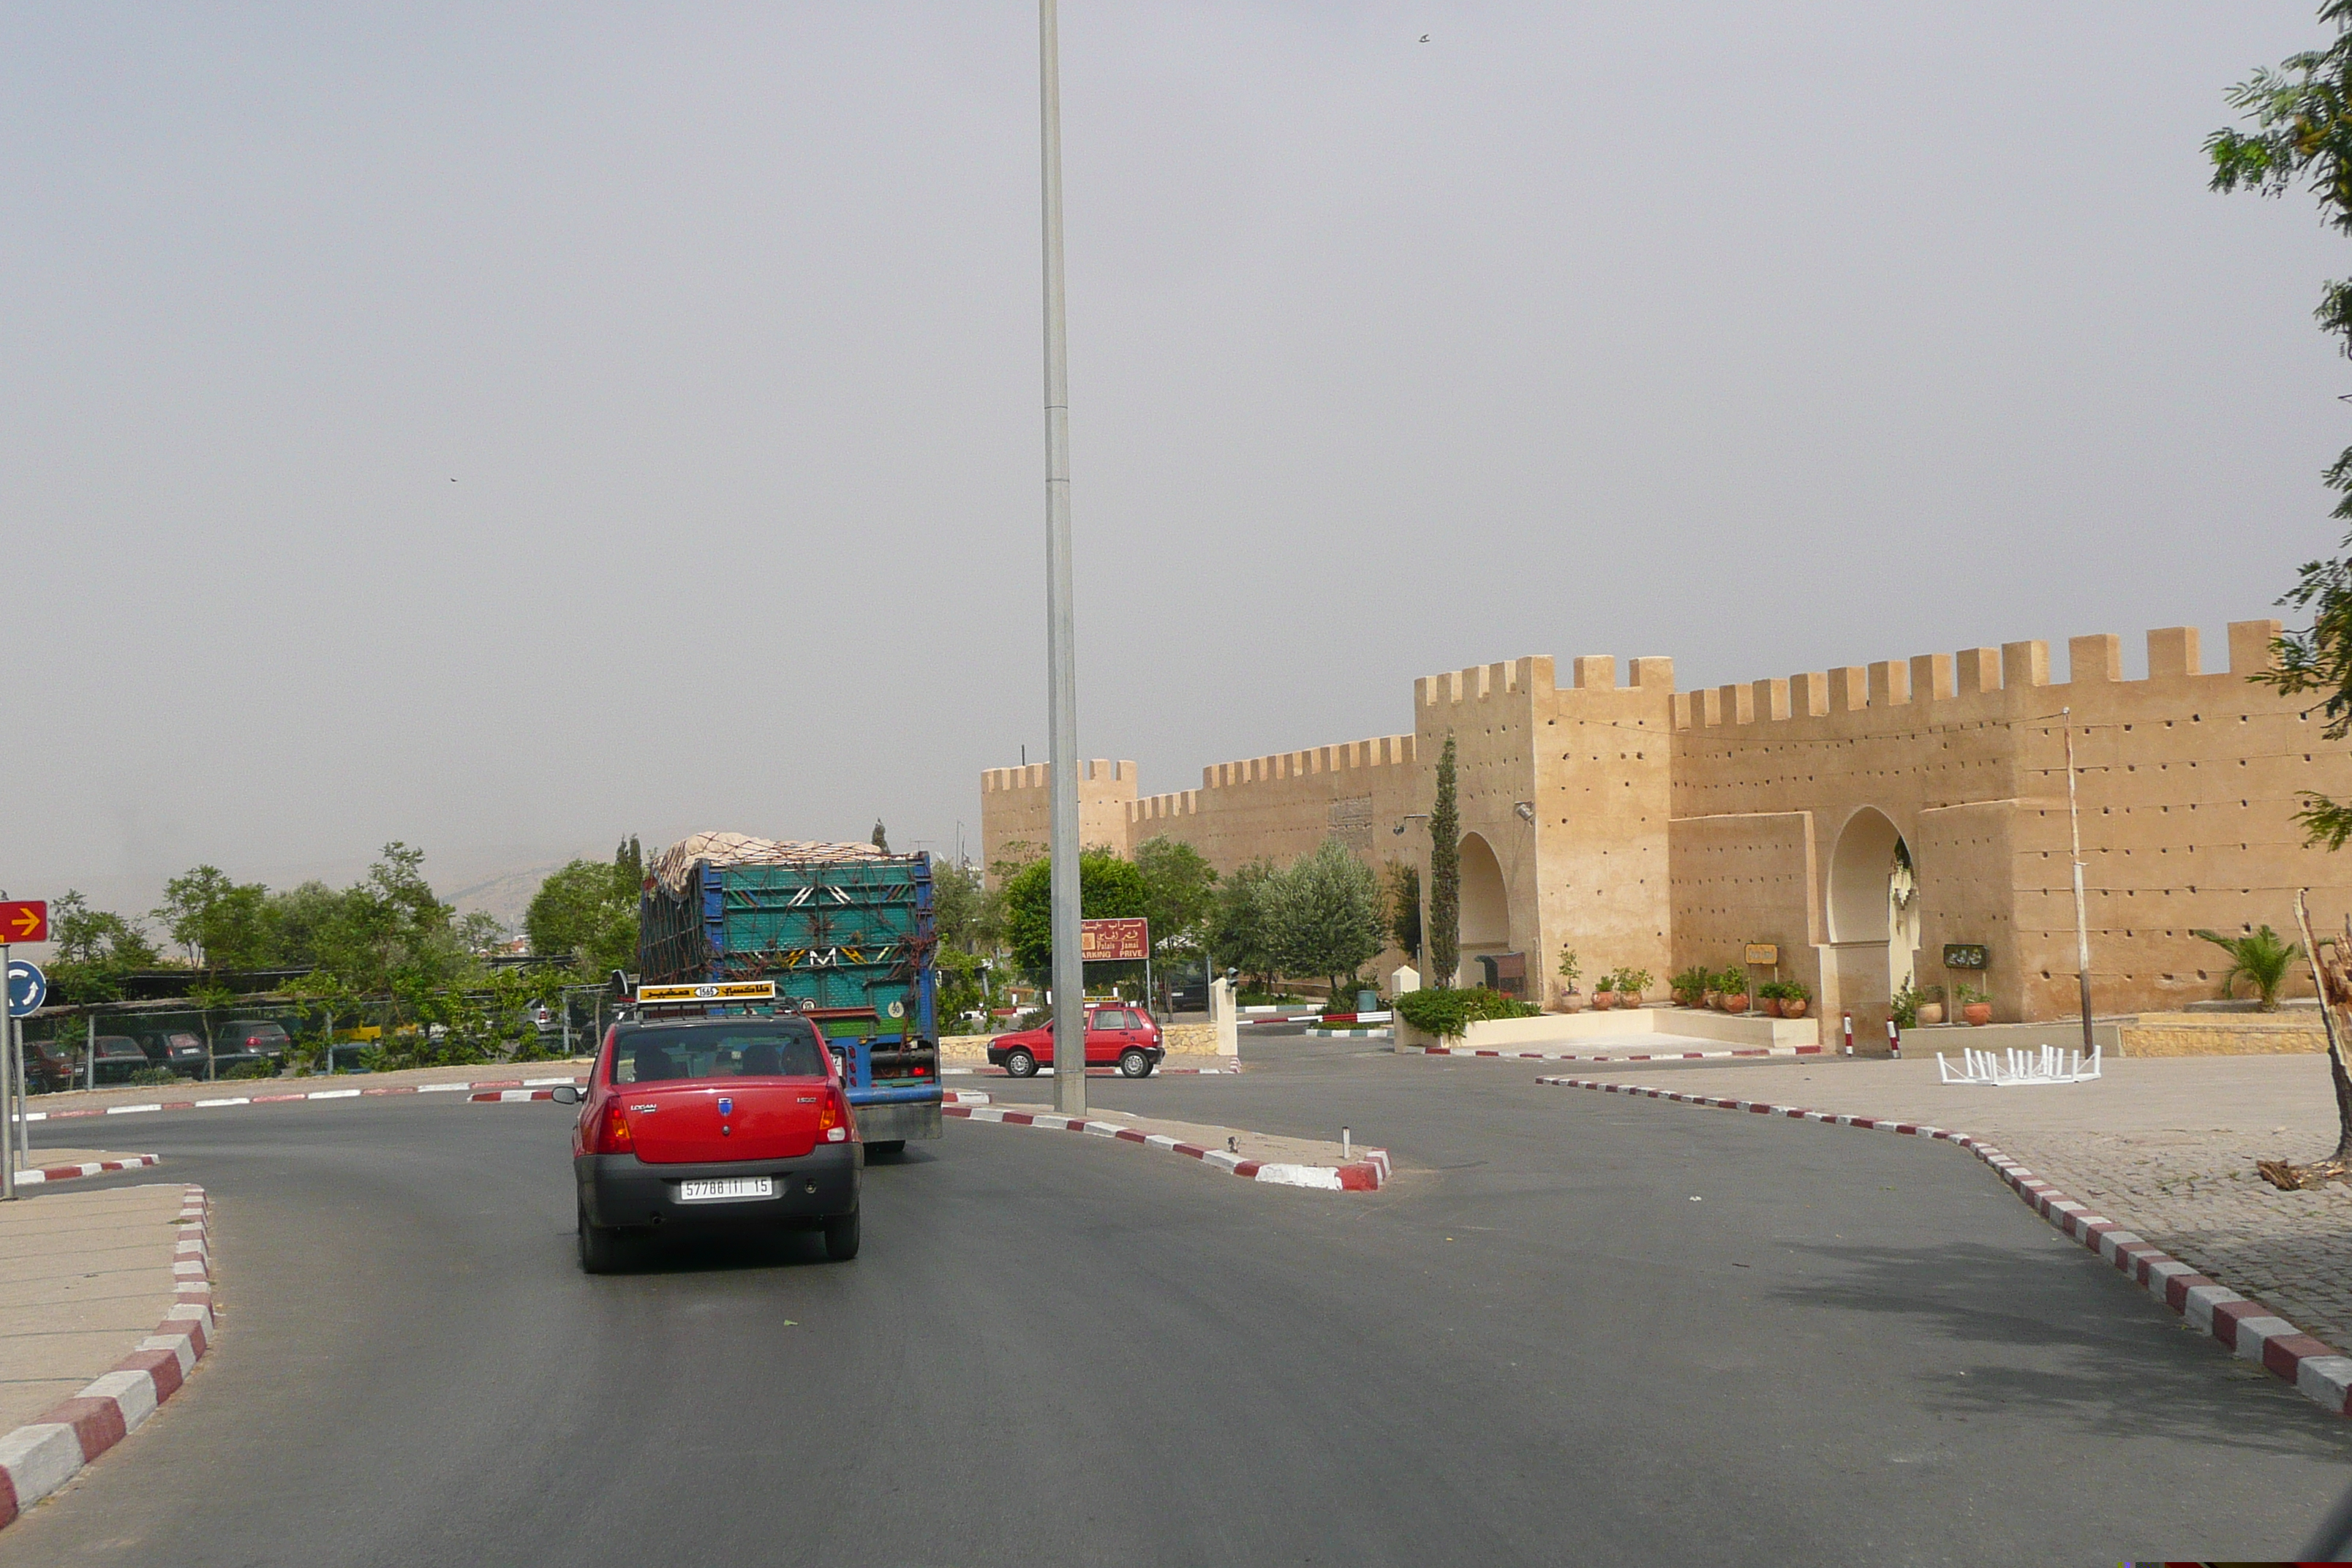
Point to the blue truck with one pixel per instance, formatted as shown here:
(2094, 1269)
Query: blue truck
(845, 934)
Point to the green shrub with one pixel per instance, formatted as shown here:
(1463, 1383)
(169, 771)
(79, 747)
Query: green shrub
(153, 1077)
(252, 1070)
(1633, 981)
(1691, 985)
(1732, 981)
(1447, 1013)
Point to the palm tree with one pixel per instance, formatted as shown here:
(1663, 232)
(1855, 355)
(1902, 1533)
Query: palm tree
(2260, 959)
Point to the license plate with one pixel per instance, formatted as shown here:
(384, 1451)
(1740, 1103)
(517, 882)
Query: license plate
(726, 1189)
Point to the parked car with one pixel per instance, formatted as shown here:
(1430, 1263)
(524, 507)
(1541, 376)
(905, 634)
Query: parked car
(1189, 997)
(182, 1050)
(118, 1057)
(248, 1040)
(1117, 1036)
(47, 1069)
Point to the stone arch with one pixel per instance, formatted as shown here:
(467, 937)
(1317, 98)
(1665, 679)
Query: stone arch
(1485, 906)
(1873, 914)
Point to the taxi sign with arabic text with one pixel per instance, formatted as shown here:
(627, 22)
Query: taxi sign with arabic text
(711, 991)
(1114, 941)
(24, 920)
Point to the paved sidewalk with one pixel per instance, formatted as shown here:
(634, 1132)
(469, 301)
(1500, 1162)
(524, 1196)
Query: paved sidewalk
(73, 1099)
(84, 1277)
(2165, 1145)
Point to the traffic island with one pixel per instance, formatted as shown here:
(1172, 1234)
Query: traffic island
(46, 1167)
(1253, 1156)
(73, 1105)
(109, 1298)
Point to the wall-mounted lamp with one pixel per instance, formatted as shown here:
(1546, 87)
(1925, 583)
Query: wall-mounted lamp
(1409, 817)
(1526, 810)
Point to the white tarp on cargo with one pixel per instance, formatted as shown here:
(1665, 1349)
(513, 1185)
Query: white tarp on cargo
(675, 865)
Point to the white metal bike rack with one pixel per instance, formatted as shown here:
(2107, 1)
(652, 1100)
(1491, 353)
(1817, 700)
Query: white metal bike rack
(2006, 1069)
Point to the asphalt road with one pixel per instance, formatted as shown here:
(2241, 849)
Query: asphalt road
(1575, 1328)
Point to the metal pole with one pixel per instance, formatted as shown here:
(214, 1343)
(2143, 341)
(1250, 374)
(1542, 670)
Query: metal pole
(90, 1056)
(1061, 627)
(7, 1089)
(2082, 919)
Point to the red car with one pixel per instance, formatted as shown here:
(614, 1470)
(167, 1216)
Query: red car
(1117, 1036)
(713, 1124)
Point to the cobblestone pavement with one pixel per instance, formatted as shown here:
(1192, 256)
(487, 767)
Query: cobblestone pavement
(2165, 1146)
(2197, 1196)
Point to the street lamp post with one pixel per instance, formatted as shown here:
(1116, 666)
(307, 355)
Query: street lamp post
(1061, 634)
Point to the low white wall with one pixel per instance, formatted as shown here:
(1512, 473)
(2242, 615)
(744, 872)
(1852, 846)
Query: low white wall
(1561, 1029)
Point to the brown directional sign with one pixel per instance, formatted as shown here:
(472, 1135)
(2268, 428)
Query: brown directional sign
(1114, 942)
(1967, 955)
(25, 920)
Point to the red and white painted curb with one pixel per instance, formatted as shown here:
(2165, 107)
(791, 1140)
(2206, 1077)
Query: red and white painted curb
(1359, 1176)
(1647, 1057)
(2246, 1327)
(1232, 1066)
(220, 1103)
(88, 1168)
(511, 1096)
(38, 1458)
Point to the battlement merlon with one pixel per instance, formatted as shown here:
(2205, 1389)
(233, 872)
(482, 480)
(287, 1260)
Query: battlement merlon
(1535, 674)
(1380, 752)
(1099, 777)
(2173, 654)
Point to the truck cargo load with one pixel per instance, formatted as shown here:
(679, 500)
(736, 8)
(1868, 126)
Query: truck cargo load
(846, 934)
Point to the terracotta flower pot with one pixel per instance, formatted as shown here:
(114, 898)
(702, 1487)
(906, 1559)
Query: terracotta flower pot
(1931, 1012)
(1794, 1008)
(1771, 1007)
(1736, 1004)
(1977, 1015)
(1603, 1000)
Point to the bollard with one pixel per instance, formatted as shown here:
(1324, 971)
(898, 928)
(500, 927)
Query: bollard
(1347, 1144)
(1849, 1033)
(1894, 1040)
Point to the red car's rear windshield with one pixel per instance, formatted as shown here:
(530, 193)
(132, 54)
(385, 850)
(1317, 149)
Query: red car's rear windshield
(729, 1047)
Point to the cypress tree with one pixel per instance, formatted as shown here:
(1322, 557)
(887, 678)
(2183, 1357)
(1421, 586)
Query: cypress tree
(1444, 875)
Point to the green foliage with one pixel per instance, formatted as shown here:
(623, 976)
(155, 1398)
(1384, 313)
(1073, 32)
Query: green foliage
(1444, 876)
(1963, 994)
(1904, 1007)
(1447, 1013)
(1240, 934)
(961, 989)
(587, 912)
(1179, 895)
(2260, 959)
(251, 1069)
(94, 950)
(1570, 969)
(480, 931)
(1324, 914)
(1631, 982)
(1691, 985)
(153, 1078)
(1731, 982)
(2301, 131)
(1404, 908)
(958, 905)
(1109, 889)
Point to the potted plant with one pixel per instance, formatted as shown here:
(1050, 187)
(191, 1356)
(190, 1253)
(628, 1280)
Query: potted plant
(1732, 987)
(1795, 997)
(1976, 1010)
(1767, 997)
(1691, 987)
(1631, 983)
(1568, 970)
(1931, 1004)
(1605, 992)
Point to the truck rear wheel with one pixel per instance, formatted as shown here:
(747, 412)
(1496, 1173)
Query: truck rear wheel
(1020, 1064)
(841, 1236)
(886, 1147)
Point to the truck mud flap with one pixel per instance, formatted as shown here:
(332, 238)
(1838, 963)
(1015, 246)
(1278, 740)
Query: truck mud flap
(886, 1122)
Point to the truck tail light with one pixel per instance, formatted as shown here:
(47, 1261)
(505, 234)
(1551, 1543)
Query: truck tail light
(613, 1129)
(833, 1120)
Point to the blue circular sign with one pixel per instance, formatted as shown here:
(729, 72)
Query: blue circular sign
(27, 987)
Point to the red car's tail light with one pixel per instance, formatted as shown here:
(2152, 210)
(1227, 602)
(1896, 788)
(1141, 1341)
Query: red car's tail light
(833, 1119)
(613, 1129)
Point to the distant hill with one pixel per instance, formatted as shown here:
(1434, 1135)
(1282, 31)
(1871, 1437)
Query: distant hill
(505, 894)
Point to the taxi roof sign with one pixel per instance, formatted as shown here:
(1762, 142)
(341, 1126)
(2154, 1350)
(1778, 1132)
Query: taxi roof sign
(711, 991)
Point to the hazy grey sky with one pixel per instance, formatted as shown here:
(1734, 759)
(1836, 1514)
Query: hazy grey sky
(504, 428)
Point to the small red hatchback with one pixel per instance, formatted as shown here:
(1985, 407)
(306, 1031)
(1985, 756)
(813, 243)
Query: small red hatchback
(1117, 1036)
(712, 1124)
